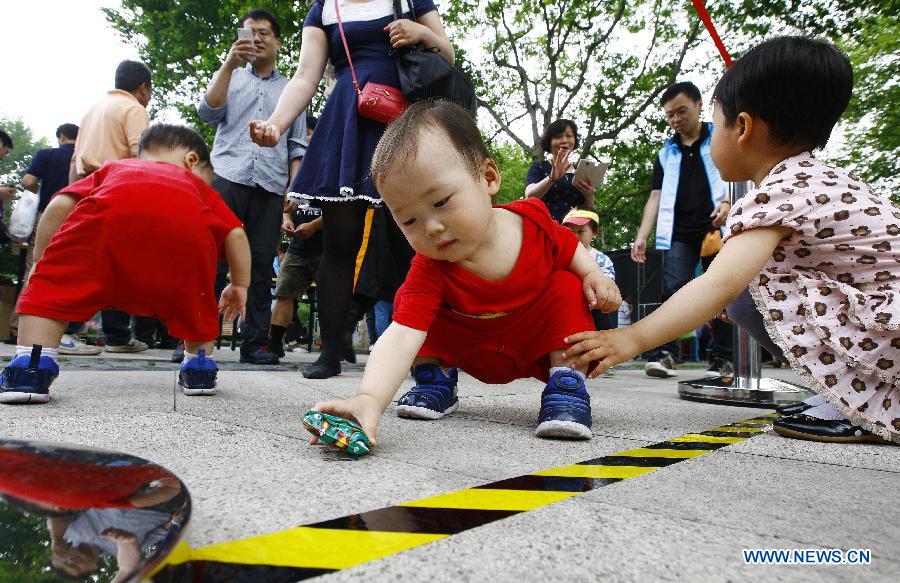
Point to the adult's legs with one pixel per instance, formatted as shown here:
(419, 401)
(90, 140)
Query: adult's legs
(722, 332)
(679, 266)
(260, 211)
(342, 224)
(116, 327)
(744, 313)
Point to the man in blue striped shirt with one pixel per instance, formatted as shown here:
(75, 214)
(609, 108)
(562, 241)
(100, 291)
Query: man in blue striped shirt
(253, 180)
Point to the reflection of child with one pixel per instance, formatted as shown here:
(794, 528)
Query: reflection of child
(813, 241)
(492, 290)
(585, 223)
(140, 235)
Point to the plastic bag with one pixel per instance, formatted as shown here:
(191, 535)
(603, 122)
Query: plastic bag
(21, 220)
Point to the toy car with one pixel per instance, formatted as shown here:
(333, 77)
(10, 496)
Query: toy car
(337, 431)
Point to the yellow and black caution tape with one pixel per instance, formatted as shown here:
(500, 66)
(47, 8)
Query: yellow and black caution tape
(323, 547)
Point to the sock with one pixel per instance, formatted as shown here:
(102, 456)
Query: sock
(276, 335)
(815, 401)
(188, 356)
(26, 350)
(556, 369)
(826, 412)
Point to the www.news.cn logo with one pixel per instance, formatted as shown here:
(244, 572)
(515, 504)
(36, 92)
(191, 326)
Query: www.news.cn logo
(807, 556)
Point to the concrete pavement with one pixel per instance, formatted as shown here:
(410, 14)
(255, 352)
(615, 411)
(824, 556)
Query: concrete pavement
(244, 456)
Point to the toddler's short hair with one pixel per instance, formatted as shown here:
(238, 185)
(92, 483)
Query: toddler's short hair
(400, 141)
(799, 86)
(164, 136)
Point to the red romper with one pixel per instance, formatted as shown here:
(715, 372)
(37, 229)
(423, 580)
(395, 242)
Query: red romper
(145, 239)
(499, 331)
(72, 484)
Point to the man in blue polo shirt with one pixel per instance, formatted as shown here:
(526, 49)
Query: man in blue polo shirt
(687, 202)
(253, 180)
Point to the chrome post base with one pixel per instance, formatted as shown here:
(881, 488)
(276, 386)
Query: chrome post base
(743, 392)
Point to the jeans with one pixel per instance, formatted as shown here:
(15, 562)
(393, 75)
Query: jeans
(260, 211)
(744, 313)
(378, 319)
(117, 327)
(679, 266)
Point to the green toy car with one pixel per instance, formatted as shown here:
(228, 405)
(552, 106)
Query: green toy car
(337, 431)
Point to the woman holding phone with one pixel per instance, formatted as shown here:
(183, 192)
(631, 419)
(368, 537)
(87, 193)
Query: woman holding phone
(335, 170)
(551, 180)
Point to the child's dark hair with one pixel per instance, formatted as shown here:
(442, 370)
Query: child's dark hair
(799, 86)
(400, 141)
(260, 14)
(6, 140)
(556, 129)
(69, 130)
(163, 136)
(132, 74)
(311, 121)
(676, 89)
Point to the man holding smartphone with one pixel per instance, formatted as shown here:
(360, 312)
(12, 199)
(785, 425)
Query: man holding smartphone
(253, 180)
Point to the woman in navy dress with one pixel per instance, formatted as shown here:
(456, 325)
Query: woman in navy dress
(335, 170)
(551, 180)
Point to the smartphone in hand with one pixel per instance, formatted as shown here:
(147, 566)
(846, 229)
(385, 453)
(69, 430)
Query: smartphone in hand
(246, 34)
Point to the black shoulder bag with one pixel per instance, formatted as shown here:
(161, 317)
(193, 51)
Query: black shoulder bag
(425, 73)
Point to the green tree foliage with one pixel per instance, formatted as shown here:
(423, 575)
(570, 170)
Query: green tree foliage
(184, 42)
(872, 122)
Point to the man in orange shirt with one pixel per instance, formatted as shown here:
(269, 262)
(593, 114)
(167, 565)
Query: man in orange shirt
(111, 130)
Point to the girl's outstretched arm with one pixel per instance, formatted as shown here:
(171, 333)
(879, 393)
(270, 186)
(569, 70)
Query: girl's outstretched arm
(739, 261)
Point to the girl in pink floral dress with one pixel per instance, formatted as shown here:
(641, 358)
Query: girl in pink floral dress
(819, 249)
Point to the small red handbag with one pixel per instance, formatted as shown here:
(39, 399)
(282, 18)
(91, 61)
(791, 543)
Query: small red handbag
(381, 103)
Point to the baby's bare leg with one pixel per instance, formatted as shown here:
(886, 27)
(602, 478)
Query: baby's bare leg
(39, 330)
(419, 360)
(556, 360)
(192, 347)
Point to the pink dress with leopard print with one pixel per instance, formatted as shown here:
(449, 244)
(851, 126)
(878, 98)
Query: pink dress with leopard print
(829, 294)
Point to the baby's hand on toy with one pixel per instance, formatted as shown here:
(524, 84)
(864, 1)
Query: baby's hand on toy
(233, 302)
(601, 292)
(363, 409)
(606, 348)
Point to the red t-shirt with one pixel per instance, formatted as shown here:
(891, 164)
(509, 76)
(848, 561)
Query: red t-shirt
(117, 184)
(431, 284)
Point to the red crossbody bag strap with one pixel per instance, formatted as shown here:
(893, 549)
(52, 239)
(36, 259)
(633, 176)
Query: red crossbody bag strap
(337, 12)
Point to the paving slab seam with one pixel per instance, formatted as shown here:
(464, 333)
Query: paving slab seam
(325, 547)
(820, 462)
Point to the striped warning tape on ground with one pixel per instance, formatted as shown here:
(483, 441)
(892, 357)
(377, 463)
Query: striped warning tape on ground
(323, 547)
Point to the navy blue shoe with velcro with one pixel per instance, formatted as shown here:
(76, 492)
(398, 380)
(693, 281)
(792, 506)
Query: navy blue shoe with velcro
(27, 378)
(197, 376)
(565, 408)
(434, 395)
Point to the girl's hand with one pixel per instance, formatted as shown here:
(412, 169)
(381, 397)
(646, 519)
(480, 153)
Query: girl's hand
(560, 164)
(405, 32)
(601, 292)
(586, 187)
(264, 133)
(363, 409)
(233, 302)
(606, 348)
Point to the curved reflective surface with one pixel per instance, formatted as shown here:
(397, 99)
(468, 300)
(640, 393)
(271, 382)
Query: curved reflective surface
(77, 513)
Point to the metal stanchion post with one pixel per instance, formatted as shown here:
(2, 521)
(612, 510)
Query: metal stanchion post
(747, 387)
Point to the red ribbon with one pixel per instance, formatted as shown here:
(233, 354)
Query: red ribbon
(707, 22)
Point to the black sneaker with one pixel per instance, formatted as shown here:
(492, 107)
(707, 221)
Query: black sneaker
(662, 367)
(720, 367)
